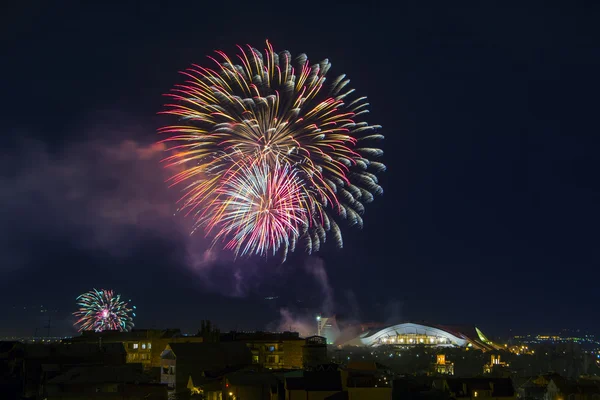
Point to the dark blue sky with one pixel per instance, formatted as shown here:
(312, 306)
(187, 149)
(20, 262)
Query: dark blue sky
(490, 212)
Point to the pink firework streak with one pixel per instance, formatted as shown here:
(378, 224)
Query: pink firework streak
(258, 209)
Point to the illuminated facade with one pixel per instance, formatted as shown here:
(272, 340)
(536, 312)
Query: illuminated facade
(495, 366)
(443, 366)
(412, 334)
(271, 350)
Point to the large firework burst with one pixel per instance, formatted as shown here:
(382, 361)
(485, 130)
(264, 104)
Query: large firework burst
(101, 310)
(272, 112)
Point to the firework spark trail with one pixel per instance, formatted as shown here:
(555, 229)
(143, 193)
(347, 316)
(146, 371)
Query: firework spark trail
(258, 208)
(101, 310)
(272, 111)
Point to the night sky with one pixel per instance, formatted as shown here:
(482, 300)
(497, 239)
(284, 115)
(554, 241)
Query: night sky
(490, 212)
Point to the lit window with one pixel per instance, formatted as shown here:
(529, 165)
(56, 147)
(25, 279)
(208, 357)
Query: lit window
(149, 345)
(475, 394)
(144, 346)
(135, 345)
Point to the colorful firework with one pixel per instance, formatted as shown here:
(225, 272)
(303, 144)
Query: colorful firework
(274, 113)
(101, 310)
(258, 208)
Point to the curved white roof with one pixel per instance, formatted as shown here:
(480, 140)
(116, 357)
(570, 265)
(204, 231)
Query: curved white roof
(377, 337)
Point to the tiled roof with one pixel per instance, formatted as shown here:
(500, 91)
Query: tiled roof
(39, 350)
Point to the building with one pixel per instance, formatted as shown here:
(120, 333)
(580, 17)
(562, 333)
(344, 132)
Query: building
(360, 381)
(271, 350)
(442, 366)
(125, 382)
(413, 334)
(40, 362)
(143, 346)
(314, 352)
(560, 388)
(250, 385)
(367, 380)
(477, 388)
(180, 361)
(313, 385)
(496, 367)
(417, 388)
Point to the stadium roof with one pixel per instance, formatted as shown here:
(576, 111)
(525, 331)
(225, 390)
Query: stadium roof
(459, 336)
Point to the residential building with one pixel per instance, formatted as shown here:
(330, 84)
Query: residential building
(364, 374)
(39, 362)
(125, 382)
(180, 361)
(560, 388)
(528, 389)
(250, 385)
(143, 346)
(313, 385)
(477, 388)
(314, 351)
(280, 350)
(417, 388)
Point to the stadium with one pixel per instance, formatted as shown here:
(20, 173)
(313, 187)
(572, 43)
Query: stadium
(405, 335)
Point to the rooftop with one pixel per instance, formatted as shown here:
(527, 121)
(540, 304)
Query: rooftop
(101, 374)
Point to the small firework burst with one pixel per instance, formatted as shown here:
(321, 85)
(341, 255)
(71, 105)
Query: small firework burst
(102, 310)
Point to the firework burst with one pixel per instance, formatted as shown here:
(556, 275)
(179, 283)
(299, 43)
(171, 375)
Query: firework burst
(258, 208)
(101, 310)
(271, 112)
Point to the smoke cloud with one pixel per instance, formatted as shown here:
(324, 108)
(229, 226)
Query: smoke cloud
(305, 325)
(103, 191)
(304, 321)
(315, 267)
(96, 193)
